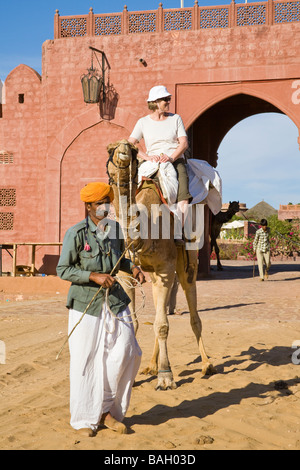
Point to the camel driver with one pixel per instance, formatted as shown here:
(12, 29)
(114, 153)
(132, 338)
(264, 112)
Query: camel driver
(165, 140)
(104, 353)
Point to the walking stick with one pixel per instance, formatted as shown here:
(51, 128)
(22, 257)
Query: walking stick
(90, 303)
(253, 267)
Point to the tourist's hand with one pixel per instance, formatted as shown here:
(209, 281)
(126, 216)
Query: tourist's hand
(104, 280)
(163, 158)
(154, 158)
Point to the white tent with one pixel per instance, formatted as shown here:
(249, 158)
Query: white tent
(234, 224)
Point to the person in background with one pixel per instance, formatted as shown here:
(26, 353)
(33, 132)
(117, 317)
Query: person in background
(104, 353)
(261, 247)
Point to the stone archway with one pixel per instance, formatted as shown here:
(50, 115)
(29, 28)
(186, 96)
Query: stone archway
(84, 161)
(87, 134)
(206, 134)
(216, 121)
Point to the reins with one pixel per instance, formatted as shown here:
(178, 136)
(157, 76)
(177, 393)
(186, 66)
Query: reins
(129, 284)
(110, 178)
(118, 184)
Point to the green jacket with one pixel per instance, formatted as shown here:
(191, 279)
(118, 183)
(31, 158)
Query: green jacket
(76, 264)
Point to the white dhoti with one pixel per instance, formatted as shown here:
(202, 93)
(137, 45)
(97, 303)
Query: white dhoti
(104, 360)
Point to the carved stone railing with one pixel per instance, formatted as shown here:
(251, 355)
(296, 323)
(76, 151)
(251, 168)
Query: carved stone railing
(182, 19)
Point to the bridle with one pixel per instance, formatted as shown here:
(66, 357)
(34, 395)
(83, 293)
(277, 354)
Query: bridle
(128, 184)
(131, 178)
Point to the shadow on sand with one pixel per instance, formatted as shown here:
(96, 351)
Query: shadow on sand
(204, 406)
(243, 270)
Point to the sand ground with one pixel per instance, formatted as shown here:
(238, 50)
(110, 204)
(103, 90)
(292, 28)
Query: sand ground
(249, 328)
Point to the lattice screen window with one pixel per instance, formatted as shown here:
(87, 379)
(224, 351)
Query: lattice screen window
(6, 157)
(6, 221)
(106, 25)
(72, 27)
(142, 22)
(7, 197)
(251, 15)
(287, 12)
(214, 18)
(178, 20)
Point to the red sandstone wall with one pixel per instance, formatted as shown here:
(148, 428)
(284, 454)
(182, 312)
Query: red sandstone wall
(59, 142)
(289, 212)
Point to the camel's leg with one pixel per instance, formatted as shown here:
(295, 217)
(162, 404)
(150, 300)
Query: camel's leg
(173, 295)
(130, 291)
(162, 285)
(152, 368)
(161, 328)
(190, 291)
(217, 251)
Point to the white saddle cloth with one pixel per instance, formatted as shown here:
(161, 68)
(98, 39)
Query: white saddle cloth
(167, 177)
(205, 184)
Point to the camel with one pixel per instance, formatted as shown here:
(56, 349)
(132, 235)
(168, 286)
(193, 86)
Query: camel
(216, 224)
(158, 256)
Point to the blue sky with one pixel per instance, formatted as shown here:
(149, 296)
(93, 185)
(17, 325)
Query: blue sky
(259, 158)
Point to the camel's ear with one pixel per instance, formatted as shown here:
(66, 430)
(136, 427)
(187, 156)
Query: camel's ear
(112, 147)
(134, 149)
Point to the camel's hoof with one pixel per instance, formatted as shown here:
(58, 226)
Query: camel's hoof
(161, 386)
(165, 381)
(149, 371)
(209, 369)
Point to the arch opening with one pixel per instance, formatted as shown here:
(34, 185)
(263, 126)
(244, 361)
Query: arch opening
(259, 160)
(210, 128)
(210, 139)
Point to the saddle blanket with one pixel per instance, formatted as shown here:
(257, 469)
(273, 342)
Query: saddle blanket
(205, 184)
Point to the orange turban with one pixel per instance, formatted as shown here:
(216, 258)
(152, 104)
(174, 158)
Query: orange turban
(93, 192)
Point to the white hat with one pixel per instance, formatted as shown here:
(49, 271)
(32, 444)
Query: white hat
(158, 92)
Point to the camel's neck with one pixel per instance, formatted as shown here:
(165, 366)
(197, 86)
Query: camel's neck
(123, 200)
(230, 214)
(223, 217)
(124, 203)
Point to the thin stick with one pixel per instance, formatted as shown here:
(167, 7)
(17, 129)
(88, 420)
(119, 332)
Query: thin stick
(90, 303)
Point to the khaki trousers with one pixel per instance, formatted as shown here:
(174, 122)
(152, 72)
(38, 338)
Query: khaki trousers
(263, 258)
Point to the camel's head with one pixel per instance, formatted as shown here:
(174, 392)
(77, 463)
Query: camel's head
(121, 153)
(234, 206)
(122, 162)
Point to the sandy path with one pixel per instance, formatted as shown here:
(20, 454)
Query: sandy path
(249, 328)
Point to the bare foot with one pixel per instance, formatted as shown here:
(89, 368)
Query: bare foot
(110, 422)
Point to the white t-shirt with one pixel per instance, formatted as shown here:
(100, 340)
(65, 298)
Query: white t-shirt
(159, 136)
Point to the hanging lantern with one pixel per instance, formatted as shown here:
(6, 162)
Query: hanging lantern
(91, 86)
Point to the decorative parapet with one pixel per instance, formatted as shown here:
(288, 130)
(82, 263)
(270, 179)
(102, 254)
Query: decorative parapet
(289, 212)
(182, 19)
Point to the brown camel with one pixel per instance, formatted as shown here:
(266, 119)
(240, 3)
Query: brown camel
(216, 224)
(158, 256)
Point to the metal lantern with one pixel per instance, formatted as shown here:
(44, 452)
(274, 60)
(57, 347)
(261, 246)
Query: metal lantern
(91, 86)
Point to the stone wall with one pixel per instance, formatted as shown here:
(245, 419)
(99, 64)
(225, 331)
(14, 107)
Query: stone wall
(59, 143)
